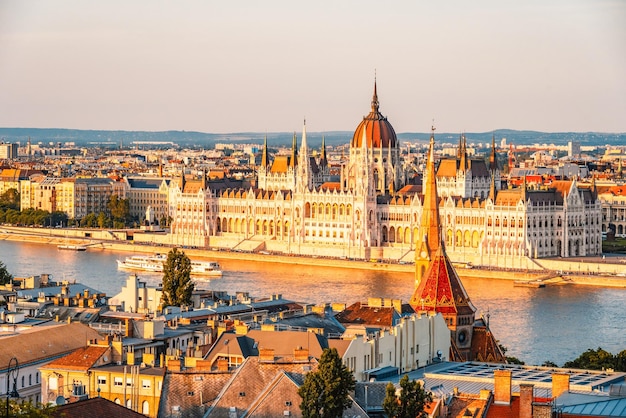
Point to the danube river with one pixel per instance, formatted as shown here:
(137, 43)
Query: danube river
(555, 323)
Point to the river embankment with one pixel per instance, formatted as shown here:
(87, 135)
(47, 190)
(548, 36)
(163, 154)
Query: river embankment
(56, 237)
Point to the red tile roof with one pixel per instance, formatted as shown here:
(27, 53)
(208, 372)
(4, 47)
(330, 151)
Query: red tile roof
(94, 408)
(80, 359)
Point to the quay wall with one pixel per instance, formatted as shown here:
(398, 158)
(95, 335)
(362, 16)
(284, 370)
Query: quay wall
(599, 273)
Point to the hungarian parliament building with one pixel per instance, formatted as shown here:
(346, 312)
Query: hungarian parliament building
(373, 213)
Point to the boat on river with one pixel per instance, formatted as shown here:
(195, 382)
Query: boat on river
(72, 247)
(154, 263)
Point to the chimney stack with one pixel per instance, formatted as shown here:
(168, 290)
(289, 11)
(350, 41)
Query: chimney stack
(526, 400)
(560, 384)
(502, 387)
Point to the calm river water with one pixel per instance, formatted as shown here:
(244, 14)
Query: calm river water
(554, 323)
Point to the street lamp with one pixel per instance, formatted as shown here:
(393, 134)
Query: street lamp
(12, 372)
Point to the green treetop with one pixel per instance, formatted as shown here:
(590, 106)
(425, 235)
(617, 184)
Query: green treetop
(177, 284)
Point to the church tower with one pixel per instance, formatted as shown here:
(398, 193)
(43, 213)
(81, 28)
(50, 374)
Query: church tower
(430, 229)
(438, 287)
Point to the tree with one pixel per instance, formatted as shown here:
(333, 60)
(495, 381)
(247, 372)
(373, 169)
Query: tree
(10, 199)
(325, 392)
(412, 402)
(119, 209)
(177, 284)
(593, 359)
(5, 276)
(31, 410)
(391, 405)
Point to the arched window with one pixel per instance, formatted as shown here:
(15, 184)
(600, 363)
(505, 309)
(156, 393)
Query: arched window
(145, 408)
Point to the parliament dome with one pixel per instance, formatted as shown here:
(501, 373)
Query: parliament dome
(375, 128)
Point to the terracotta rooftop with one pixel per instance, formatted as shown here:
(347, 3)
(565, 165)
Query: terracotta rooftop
(47, 342)
(359, 313)
(81, 359)
(94, 408)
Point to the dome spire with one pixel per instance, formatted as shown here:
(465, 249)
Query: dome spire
(375, 96)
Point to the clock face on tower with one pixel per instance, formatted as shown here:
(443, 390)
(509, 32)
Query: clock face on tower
(423, 254)
(462, 337)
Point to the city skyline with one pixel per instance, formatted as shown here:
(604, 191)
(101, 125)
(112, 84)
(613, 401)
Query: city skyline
(246, 66)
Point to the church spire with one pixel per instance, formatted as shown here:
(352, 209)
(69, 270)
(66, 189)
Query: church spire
(265, 159)
(493, 159)
(430, 232)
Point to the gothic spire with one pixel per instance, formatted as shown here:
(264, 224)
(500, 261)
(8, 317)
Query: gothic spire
(323, 158)
(265, 159)
(294, 152)
(493, 159)
(430, 231)
(464, 163)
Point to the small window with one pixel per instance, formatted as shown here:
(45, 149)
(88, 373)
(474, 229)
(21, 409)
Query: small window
(102, 380)
(145, 383)
(118, 381)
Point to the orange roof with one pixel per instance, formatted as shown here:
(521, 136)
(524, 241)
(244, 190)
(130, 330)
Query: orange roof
(441, 289)
(280, 164)
(331, 186)
(81, 359)
(447, 168)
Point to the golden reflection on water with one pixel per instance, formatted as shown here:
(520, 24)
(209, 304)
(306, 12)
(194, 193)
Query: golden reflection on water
(555, 323)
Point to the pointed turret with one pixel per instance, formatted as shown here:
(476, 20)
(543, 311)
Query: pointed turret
(493, 160)
(204, 179)
(429, 231)
(294, 152)
(265, 162)
(323, 158)
(304, 180)
(463, 162)
(620, 171)
(524, 196)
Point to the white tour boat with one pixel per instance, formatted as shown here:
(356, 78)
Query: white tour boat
(154, 263)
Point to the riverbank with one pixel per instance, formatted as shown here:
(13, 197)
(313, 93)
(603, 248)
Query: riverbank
(548, 277)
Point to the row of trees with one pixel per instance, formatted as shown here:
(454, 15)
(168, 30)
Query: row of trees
(117, 215)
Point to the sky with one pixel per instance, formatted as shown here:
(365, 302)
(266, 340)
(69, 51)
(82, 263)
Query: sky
(244, 66)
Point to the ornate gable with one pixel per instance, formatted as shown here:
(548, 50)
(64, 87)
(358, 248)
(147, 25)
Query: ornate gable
(441, 290)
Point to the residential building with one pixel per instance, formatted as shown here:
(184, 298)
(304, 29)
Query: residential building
(91, 372)
(33, 348)
(147, 198)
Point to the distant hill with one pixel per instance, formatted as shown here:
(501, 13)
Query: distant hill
(189, 139)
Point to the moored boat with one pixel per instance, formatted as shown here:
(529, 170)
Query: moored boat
(154, 263)
(72, 247)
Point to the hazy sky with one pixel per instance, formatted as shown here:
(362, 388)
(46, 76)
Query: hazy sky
(235, 66)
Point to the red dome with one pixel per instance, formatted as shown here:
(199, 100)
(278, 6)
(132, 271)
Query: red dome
(378, 131)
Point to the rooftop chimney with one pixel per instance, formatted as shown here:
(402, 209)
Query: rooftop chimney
(526, 400)
(560, 384)
(502, 387)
